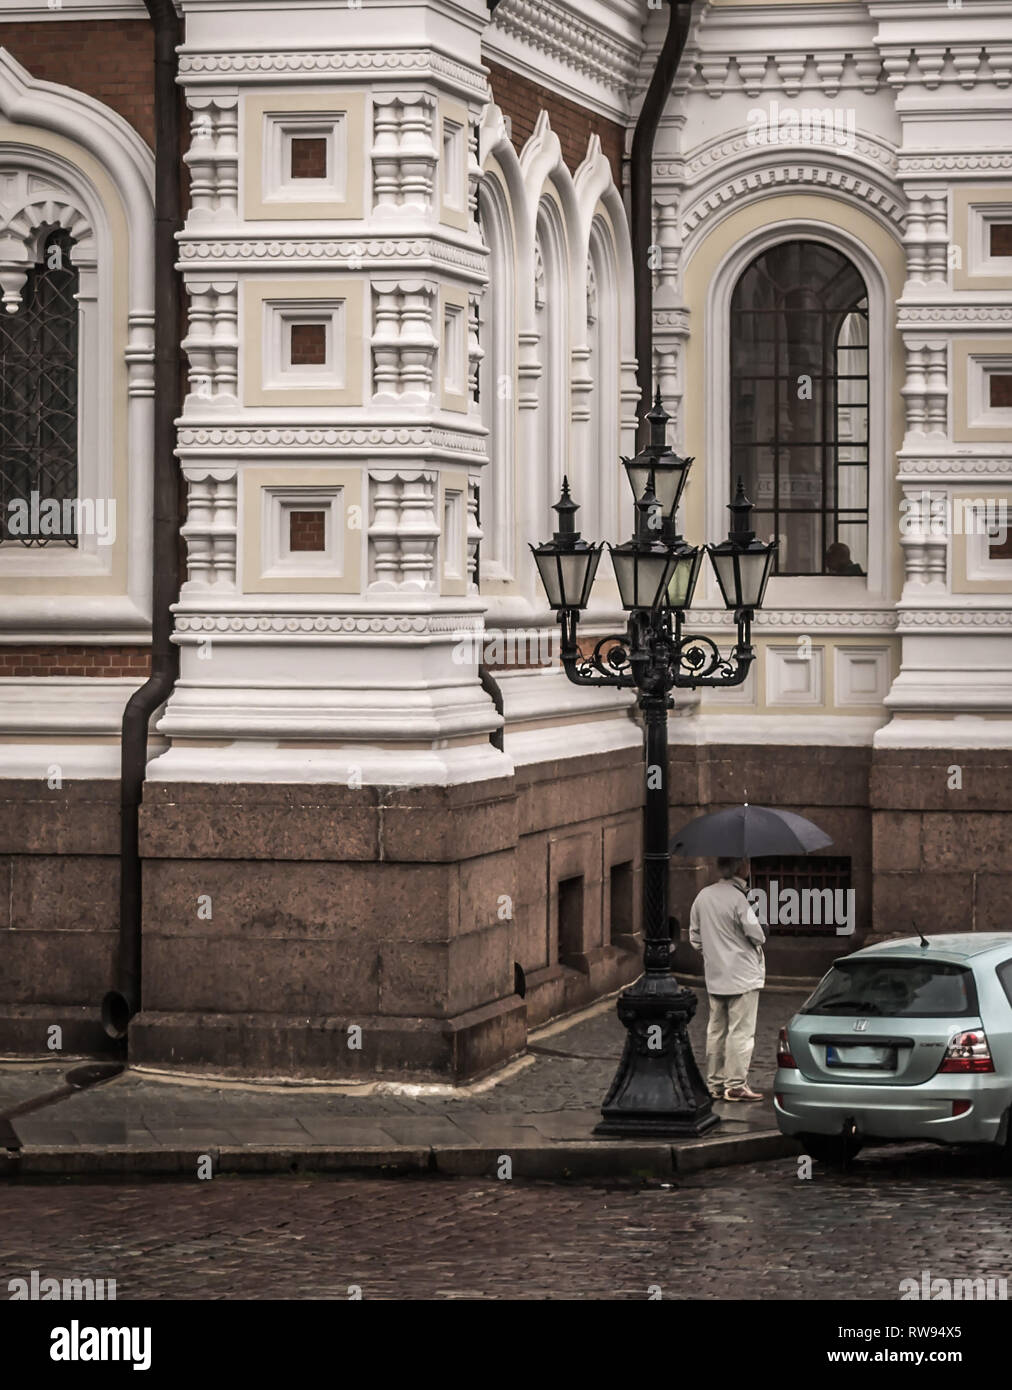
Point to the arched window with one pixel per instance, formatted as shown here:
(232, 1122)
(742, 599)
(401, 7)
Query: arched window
(38, 400)
(799, 405)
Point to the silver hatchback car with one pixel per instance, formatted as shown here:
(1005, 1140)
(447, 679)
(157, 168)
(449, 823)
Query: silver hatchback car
(911, 1039)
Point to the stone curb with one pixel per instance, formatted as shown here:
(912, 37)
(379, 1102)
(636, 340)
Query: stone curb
(575, 1159)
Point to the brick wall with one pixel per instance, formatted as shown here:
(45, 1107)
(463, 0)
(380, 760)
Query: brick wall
(111, 60)
(39, 660)
(307, 531)
(523, 101)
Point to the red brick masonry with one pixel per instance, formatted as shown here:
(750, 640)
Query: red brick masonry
(112, 60)
(523, 101)
(44, 660)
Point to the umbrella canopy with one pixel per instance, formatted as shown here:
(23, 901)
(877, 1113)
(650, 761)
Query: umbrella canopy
(748, 832)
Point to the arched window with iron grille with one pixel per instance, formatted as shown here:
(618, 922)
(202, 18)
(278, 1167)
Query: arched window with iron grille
(38, 402)
(799, 405)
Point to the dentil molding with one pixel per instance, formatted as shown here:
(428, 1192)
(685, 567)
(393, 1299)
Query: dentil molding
(794, 175)
(951, 163)
(196, 67)
(798, 619)
(557, 32)
(972, 315)
(995, 466)
(940, 619)
(350, 255)
(715, 154)
(385, 625)
(418, 437)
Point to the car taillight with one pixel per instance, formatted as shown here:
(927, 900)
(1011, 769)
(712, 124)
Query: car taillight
(784, 1058)
(967, 1052)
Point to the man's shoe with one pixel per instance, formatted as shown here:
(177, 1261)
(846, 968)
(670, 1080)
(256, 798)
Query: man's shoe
(742, 1093)
(717, 1095)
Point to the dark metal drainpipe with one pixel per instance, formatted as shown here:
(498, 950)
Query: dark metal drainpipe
(641, 189)
(121, 1003)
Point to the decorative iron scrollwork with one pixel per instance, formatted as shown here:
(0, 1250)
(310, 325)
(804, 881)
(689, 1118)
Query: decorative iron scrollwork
(701, 660)
(607, 664)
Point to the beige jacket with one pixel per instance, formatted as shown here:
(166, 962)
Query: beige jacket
(724, 927)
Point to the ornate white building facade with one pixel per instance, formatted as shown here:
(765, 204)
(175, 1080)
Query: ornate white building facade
(372, 797)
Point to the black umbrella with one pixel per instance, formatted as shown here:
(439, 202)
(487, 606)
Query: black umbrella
(748, 832)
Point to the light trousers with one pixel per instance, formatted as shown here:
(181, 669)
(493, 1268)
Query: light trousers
(730, 1039)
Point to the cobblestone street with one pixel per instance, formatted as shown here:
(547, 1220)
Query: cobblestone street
(753, 1232)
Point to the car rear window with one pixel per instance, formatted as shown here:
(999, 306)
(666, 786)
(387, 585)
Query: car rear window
(896, 988)
(1005, 976)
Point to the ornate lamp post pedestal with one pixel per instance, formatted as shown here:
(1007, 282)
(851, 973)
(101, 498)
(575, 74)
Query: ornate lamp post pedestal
(658, 1089)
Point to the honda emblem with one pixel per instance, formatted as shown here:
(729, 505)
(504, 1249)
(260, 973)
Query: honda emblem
(861, 1025)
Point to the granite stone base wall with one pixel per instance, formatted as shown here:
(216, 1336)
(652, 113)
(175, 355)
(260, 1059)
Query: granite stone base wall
(59, 914)
(942, 839)
(365, 933)
(420, 933)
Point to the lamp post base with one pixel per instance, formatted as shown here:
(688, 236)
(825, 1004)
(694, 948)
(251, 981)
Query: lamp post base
(657, 1091)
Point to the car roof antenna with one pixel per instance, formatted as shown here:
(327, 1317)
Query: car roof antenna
(925, 943)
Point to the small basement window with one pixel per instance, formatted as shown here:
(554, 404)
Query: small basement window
(804, 896)
(570, 919)
(621, 900)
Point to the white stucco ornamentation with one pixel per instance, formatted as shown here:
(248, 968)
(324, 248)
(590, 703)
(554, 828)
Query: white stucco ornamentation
(67, 161)
(333, 358)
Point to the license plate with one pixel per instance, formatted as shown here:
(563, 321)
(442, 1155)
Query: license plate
(872, 1058)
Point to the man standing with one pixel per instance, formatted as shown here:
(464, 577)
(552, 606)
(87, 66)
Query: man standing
(724, 927)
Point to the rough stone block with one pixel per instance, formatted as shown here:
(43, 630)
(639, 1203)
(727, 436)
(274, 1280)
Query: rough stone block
(258, 974)
(896, 841)
(59, 968)
(64, 893)
(936, 902)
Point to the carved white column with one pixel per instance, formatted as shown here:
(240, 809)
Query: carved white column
(419, 531)
(924, 541)
(384, 546)
(379, 250)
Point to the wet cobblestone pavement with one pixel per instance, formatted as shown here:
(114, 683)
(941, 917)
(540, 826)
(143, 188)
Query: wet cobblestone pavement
(570, 1068)
(756, 1232)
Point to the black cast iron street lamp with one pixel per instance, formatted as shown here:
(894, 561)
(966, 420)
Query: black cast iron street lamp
(657, 1089)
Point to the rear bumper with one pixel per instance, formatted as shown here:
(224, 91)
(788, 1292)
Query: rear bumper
(895, 1112)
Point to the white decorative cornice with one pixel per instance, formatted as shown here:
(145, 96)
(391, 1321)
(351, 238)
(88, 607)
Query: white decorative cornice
(328, 624)
(780, 70)
(799, 619)
(549, 30)
(197, 68)
(950, 619)
(955, 165)
(718, 153)
(347, 254)
(971, 316)
(347, 438)
(931, 67)
(792, 177)
(998, 468)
